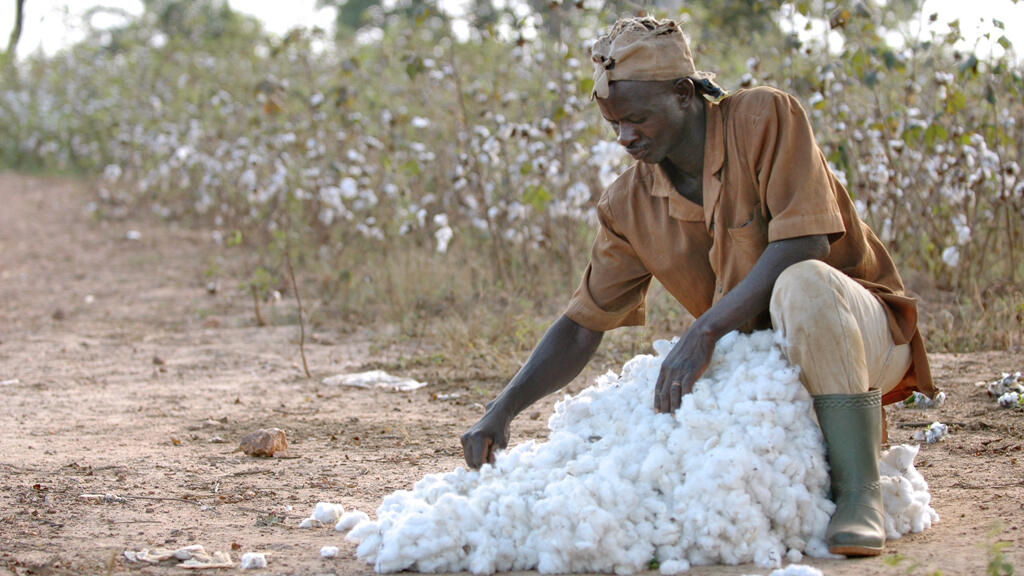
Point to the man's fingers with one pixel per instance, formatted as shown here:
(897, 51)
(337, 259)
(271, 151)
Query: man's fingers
(661, 399)
(473, 450)
(487, 451)
(675, 395)
(657, 392)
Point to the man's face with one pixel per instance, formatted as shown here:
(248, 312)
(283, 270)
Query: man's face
(648, 118)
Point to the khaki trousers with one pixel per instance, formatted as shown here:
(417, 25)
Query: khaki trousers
(836, 331)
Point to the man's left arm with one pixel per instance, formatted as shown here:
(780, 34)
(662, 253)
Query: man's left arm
(691, 356)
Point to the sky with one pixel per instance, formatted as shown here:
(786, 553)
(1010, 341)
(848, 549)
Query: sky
(51, 24)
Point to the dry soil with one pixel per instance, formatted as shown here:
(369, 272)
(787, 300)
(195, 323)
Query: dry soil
(121, 374)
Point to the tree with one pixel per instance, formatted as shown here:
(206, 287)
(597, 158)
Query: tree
(12, 42)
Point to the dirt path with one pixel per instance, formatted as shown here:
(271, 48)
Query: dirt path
(121, 375)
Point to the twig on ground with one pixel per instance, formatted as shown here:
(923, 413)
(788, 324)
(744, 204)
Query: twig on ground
(296, 412)
(117, 498)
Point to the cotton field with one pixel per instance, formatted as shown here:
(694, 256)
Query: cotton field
(489, 148)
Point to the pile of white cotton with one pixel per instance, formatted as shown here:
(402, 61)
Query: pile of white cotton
(737, 475)
(905, 493)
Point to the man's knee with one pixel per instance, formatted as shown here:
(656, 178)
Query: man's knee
(802, 289)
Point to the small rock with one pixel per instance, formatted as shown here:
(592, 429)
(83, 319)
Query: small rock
(264, 442)
(58, 314)
(212, 288)
(158, 361)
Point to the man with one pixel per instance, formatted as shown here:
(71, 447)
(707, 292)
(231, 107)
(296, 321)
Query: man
(731, 206)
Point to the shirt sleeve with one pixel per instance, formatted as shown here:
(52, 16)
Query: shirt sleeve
(613, 291)
(793, 178)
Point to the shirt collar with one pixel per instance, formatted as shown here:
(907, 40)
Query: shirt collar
(678, 206)
(714, 156)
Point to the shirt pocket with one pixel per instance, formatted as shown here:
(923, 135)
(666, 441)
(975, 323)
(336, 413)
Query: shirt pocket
(750, 233)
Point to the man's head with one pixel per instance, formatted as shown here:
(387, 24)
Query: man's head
(643, 49)
(646, 85)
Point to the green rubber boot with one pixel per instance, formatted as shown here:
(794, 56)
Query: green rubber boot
(852, 427)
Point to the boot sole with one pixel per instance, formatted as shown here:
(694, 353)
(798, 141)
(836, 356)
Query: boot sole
(855, 550)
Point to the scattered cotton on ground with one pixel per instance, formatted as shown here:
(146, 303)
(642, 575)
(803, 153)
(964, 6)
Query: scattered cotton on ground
(253, 561)
(905, 493)
(933, 433)
(374, 379)
(1009, 400)
(1009, 382)
(349, 520)
(797, 570)
(324, 513)
(329, 551)
(737, 475)
(918, 400)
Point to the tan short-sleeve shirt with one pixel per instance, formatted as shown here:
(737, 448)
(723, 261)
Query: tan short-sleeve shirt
(765, 179)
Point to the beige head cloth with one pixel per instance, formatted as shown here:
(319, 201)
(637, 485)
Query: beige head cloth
(641, 49)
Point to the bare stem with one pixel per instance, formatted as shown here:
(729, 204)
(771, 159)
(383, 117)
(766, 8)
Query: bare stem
(302, 323)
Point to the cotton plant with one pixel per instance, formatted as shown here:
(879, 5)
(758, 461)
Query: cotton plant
(736, 475)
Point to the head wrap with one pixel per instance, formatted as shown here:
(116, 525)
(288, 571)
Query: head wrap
(642, 49)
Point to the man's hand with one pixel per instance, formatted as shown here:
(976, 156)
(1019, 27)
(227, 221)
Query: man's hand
(489, 434)
(682, 367)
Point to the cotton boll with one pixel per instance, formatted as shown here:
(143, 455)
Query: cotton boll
(936, 431)
(310, 523)
(736, 475)
(253, 561)
(904, 493)
(327, 512)
(918, 400)
(1009, 400)
(329, 552)
(349, 520)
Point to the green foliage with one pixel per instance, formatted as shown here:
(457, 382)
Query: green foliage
(998, 564)
(909, 565)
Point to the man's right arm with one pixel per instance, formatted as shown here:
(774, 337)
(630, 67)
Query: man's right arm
(558, 358)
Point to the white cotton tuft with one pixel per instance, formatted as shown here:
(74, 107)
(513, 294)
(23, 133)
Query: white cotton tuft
(323, 513)
(349, 520)
(1009, 400)
(329, 552)
(327, 513)
(797, 570)
(253, 561)
(918, 400)
(670, 567)
(936, 431)
(904, 493)
(736, 475)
